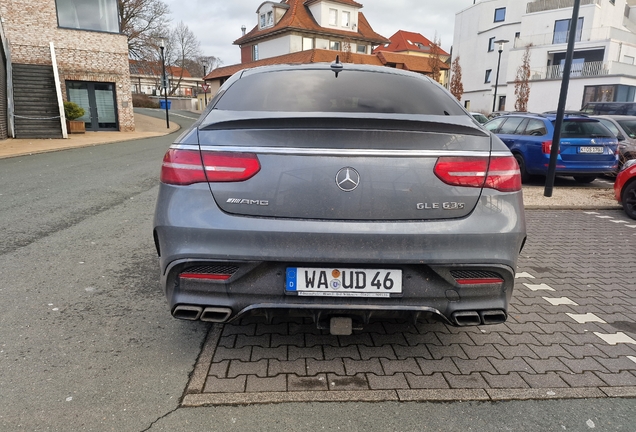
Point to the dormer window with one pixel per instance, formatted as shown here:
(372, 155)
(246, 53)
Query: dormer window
(263, 20)
(270, 18)
(333, 17)
(346, 19)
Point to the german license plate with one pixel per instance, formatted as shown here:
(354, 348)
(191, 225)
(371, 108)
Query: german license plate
(592, 150)
(341, 282)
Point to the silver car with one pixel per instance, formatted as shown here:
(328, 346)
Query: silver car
(624, 127)
(341, 193)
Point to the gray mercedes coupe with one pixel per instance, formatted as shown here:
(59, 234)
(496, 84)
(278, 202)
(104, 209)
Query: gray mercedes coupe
(342, 193)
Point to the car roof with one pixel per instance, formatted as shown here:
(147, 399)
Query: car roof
(328, 66)
(615, 117)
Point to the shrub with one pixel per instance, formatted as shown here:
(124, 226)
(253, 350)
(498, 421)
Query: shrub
(141, 100)
(73, 111)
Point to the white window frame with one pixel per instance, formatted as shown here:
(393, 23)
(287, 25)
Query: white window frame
(335, 45)
(333, 17)
(345, 22)
(363, 51)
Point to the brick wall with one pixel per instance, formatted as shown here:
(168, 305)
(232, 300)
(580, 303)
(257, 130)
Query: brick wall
(30, 25)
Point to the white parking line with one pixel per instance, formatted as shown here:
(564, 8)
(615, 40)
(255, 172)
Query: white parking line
(619, 221)
(605, 217)
(524, 275)
(613, 339)
(632, 358)
(585, 318)
(630, 226)
(541, 287)
(591, 213)
(559, 301)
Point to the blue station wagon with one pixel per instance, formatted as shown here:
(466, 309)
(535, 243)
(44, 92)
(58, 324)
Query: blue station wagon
(587, 148)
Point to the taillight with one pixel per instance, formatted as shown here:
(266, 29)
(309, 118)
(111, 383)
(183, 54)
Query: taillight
(502, 174)
(546, 147)
(185, 167)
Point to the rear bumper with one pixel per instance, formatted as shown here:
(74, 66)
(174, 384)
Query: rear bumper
(426, 251)
(576, 167)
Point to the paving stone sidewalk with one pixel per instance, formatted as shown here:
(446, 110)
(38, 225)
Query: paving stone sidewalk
(571, 333)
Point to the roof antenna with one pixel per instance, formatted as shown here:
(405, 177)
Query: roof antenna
(337, 66)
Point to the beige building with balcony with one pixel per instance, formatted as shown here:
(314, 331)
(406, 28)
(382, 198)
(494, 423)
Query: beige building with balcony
(603, 66)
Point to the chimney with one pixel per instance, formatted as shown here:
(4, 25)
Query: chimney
(243, 28)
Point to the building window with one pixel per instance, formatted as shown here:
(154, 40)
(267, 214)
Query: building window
(500, 14)
(628, 59)
(487, 77)
(88, 15)
(467, 105)
(333, 17)
(270, 18)
(362, 49)
(254, 52)
(491, 44)
(517, 35)
(562, 30)
(263, 20)
(334, 46)
(346, 16)
(308, 43)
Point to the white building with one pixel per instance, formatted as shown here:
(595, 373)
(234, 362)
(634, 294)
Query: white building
(603, 67)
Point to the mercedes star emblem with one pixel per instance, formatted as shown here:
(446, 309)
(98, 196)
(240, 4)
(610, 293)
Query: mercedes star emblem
(347, 179)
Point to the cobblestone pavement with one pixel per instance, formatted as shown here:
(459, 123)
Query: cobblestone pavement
(570, 333)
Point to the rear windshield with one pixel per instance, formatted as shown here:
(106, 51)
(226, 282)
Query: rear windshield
(629, 126)
(351, 91)
(584, 129)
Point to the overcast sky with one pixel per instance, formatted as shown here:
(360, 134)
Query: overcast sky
(217, 23)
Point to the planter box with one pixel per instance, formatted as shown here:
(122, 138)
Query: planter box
(75, 126)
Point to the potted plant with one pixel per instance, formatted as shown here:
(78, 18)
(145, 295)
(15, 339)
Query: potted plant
(73, 111)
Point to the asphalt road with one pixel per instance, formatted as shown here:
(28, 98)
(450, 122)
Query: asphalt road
(87, 341)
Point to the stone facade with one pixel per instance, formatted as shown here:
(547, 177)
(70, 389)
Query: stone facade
(30, 25)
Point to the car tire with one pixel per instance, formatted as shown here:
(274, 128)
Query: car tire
(584, 179)
(628, 198)
(522, 168)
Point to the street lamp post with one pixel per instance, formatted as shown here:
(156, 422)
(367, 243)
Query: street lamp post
(205, 92)
(164, 82)
(501, 43)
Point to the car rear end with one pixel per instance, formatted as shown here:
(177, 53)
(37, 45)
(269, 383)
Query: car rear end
(587, 149)
(338, 192)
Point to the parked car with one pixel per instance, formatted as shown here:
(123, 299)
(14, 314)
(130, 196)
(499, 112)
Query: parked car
(625, 188)
(587, 148)
(610, 108)
(624, 127)
(339, 192)
(482, 119)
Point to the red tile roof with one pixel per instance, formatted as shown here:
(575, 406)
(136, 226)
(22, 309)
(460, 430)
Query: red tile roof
(301, 57)
(138, 67)
(412, 63)
(347, 2)
(299, 18)
(400, 42)
(400, 61)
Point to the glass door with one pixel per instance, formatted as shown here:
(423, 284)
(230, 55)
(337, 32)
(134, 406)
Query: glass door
(98, 101)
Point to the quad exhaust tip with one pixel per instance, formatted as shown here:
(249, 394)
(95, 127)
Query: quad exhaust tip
(216, 314)
(185, 312)
(473, 318)
(209, 314)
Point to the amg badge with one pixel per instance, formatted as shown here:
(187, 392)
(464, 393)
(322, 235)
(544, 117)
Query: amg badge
(247, 201)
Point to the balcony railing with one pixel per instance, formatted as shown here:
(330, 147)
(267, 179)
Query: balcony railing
(544, 5)
(584, 70)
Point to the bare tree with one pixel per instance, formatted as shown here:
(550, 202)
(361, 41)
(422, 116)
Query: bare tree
(456, 86)
(434, 60)
(143, 22)
(522, 82)
(182, 48)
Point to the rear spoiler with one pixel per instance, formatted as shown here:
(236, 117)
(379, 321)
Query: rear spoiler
(226, 120)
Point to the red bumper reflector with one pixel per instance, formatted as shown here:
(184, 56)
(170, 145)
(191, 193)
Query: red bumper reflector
(205, 276)
(486, 281)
